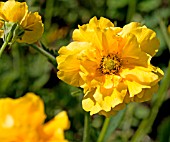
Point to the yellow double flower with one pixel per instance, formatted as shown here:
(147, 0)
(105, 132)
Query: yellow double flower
(111, 64)
(22, 120)
(16, 13)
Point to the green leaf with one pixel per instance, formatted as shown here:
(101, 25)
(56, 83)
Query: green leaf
(148, 5)
(142, 112)
(164, 131)
(7, 80)
(114, 123)
(117, 3)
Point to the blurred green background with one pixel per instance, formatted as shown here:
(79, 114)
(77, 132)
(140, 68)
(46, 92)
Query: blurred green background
(22, 69)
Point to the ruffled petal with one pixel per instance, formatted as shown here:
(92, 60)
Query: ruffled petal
(115, 101)
(89, 103)
(1, 11)
(111, 81)
(33, 27)
(147, 39)
(141, 74)
(34, 105)
(111, 42)
(84, 34)
(13, 11)
(134, 87)
(118, 94)
(108, 83)
(1, 31)
(102, 23)
(132, 54)
(54, 129)
(146, 94)
(69, 72)
(20, 118)
(69, 62)
(102, 100)
(92, 32)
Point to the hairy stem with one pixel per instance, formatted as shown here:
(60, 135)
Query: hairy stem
(50, 57)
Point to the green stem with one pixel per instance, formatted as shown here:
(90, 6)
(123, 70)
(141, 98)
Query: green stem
(48, 13)
(6, 42)
(3, 47)
(164, 32)
(131, 10)
(51, 58)
(86, 127)
(146, 124)
(104, 129)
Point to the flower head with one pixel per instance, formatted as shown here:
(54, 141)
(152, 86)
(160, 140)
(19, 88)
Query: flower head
(111, 64)
(17, 12)
(22, 120)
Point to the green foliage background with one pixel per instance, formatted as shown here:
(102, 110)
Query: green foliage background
(22, 69)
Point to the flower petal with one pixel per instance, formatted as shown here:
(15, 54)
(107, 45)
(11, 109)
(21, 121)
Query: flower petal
(134, 88)
(102, 23)
(87, 104)
(108, 114)
(13, 11)
(31, 102)
(108, 82)
(30, 106)
(132, 54)
(33, 27)
(111, 41)
(147, 39)
(54, 129)
(92, 32)
(118, 94)
(69, 62)
(69, 72)
(111, 81)
(140, 74)
(146, 94)
(1, 31)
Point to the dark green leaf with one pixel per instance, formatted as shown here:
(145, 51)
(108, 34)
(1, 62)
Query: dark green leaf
(164, 131)
(114, 123)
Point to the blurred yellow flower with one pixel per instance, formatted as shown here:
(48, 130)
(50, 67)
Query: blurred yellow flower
(111, 64)
(17, 12)
(21, 120)
(168, 28)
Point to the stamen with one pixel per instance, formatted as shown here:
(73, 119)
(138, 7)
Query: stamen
(110, 64)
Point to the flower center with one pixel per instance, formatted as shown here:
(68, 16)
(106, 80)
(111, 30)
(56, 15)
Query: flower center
(110, 64)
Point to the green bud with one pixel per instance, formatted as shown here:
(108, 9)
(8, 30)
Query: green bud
(8, 28)
(12, 32)
(18, 33)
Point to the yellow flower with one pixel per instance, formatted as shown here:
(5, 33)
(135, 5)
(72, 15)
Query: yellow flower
(168, 28)
(54, 129)
(1, 31)
(21, 120)
(17, 12)
(111, 64)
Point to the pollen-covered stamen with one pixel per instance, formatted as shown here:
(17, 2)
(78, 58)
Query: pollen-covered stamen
(110, 64)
